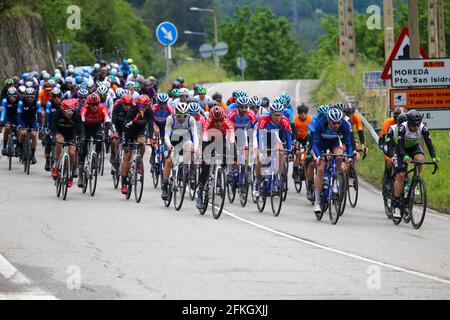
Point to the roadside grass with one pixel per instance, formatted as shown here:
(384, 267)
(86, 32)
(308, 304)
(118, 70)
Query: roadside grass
(197, 72)
(337, 75)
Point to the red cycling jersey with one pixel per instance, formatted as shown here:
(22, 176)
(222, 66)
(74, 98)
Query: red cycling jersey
(227, 130)
(94, 119)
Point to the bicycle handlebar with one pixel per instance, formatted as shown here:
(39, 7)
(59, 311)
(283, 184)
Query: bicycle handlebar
(436, 167)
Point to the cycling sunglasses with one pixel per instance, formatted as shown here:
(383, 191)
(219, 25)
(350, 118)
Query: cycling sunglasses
(334, 123)
(30, 96)
(182, 116)
(277, 115)
(94, 104)
(69, 110)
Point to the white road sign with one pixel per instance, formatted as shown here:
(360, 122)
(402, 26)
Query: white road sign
(420, 73)
(436, 119)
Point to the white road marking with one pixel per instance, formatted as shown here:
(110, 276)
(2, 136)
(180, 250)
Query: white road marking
(297, 92)
(15, 277)
(337, 251)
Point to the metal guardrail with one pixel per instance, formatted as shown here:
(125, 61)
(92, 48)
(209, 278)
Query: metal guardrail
(366, 123)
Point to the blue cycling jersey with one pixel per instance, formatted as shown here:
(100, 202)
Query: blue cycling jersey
(323, 135)
(27, 113)
(9, 109)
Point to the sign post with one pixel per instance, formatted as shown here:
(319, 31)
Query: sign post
(167, 35)
(420, 73)
(242, 65)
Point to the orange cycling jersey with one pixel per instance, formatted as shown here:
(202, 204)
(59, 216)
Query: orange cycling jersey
(356, 120)
(301, 126)
(386, 124)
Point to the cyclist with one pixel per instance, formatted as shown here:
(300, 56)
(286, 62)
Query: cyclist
(242, 101)
(386, 125)
(203, 99)
(82, 94)
(327, 133)
(196, 112)
(161, 112)
(175, 85)
(180, 127)
(46, 94)
(148, 89)
(29, 115)
(183, 97)
(273, 122)
(408, 149)
(105, 98)
(93, 115)
(216, 122)
(8, 84)
(301, 124)
(236, 94)
(138, 122)
(218, 98)
(174, 96)
(118, 120)
(8, 117)
(355, 120)
(66, 127)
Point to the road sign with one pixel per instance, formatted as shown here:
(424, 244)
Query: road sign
(206, 50)
(433, 98)
(436, 119)
(166, 33)
(372, 80)
(420, 73)
(221, 48)
(400, 51)
(241, 63)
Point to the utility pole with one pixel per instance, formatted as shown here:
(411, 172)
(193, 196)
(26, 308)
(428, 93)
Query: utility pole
(432, 29)
(414, 30)
(294, 4)
(351, 46)
(388, 28)
(342, 33)
(441, 29)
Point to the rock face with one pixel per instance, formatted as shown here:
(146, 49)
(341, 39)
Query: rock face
(24, 46)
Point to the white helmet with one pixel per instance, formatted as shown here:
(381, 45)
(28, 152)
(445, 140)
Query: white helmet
(182, 108)
(102, 89)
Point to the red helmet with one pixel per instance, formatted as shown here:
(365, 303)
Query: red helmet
(143, 99)
(93, 98)
(217, 113)
(69, 104)
(127, 99)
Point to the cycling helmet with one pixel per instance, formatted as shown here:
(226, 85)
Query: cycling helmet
(93, 98)
(182, 108)
(217, 113)
(113, 72)
(201, 90)
(213, 104)
(102, 89)
(235, 94)
(30, 91)
(21, 89)
(402, 117)
(265, 102)
(29, 84)
(334, 115)
(143, 99)
(279, 100)
(286, 97)
(414, 117)
(90, 83)
(136, 85)
(119, 92)
(9, 82)
(194, 107)
(176, 85)
(323, 110)
(184, 91)
(195, 87)
(56, 92)
(180, 79)
(127, 98)
(255, 101)
(340, 106)
(162, 98)
(217, 96)
(82, 93)
(303, 108)
(242, 102)
(68, 80)
(397, 111)
(176, 93)
(147, 83)
(349, 109)
(276, 107)
(69, 104)
(12, 91)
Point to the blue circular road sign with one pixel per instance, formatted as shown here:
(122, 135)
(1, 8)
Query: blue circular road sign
(166, 33)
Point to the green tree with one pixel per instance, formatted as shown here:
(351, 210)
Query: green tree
(80, 54)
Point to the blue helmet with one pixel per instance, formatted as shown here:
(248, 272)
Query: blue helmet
(286, 97)
(279, 100)
(340, 106)
(82, 93)
(334, 115)
(276, 107)
(162, 97)
(243, 101)
(194, 107)
(323, 110)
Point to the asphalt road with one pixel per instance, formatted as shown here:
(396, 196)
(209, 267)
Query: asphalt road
(109, 248)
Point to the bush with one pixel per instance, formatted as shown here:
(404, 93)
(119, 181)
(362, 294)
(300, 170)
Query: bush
(80, 55)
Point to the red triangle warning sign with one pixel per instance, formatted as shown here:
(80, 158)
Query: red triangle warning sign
(400, 51)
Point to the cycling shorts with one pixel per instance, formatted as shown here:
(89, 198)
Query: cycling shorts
(399, 165)
(10, 120)
(30, 124)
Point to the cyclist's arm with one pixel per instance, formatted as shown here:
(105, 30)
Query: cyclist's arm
(389, 146)
(39, 113)
(288, 135)
(151, 121)
(19, 113)
(401, 142)
(428, 142)
(194, 131)
(2, 119)
(54, 123)
(168, 131)
(348, 137)
(360, 128)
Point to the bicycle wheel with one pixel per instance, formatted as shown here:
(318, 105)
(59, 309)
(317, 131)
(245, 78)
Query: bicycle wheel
(58, 181)
(116, 178)
(243, 187)
(101, 162)
(180, 188)
(285, 180)
(276, 194)
(65, 175)
(254, 199)
(418, 202)
(92, 174)
(388, 186)
(352, 186)
(192, 182)
(218, 193)
(231, 190)
(342, 177)
(130, 179)
(10, 149)
(26, 155)
(261, 199)
(138, 179)
(334, 202)
(156, 172)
